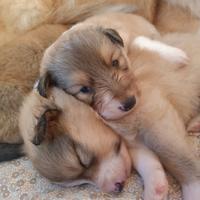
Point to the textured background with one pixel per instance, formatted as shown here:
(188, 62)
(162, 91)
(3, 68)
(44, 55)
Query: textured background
(20, 181)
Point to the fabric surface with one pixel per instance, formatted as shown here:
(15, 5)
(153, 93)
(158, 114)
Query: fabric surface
(20, 181)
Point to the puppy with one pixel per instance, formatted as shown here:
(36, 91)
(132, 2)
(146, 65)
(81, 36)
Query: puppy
(136, 84)
(63, 130)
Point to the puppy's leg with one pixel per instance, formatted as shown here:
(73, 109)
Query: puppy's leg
(152, 172)
(166, 136)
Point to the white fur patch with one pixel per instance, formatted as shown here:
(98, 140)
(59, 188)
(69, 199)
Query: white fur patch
(167, 52)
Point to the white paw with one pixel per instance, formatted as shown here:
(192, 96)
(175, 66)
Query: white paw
(156, 186)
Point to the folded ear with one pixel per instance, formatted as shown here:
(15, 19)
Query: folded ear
(48, 126)
(44, 82)
(114, 36)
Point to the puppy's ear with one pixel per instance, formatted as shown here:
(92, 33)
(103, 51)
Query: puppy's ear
(47, 127)
(114, 36)
(44, 83)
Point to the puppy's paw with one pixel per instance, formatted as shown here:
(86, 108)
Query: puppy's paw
(156, 187)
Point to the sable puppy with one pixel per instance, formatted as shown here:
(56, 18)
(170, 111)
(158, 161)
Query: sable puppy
(133, 82)
(63, 130)
(60, 130)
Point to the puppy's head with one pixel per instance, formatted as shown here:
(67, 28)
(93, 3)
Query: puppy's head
(71, 145)
(92, 65)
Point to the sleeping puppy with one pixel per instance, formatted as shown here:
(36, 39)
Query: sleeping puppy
(63, 130)
(60, 130)
(135, 84)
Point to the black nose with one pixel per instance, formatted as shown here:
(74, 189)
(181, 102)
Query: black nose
(119, 187)
(128, 104)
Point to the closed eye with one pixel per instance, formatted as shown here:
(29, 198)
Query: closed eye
(85, 158)
(117, 146)
(88, 164)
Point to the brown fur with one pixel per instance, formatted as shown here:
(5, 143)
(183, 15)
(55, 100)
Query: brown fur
(19, 67)
(26, 15)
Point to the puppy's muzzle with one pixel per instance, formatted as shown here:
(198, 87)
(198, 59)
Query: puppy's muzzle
(128, 104)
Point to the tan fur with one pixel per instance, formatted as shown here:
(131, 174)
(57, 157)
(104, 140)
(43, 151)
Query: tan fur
(19, 67)
(105, 149)
(174, 18)
(20, 16)
(24, 15)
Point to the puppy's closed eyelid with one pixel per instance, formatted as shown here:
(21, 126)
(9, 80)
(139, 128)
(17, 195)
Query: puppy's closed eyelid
(117, 146)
